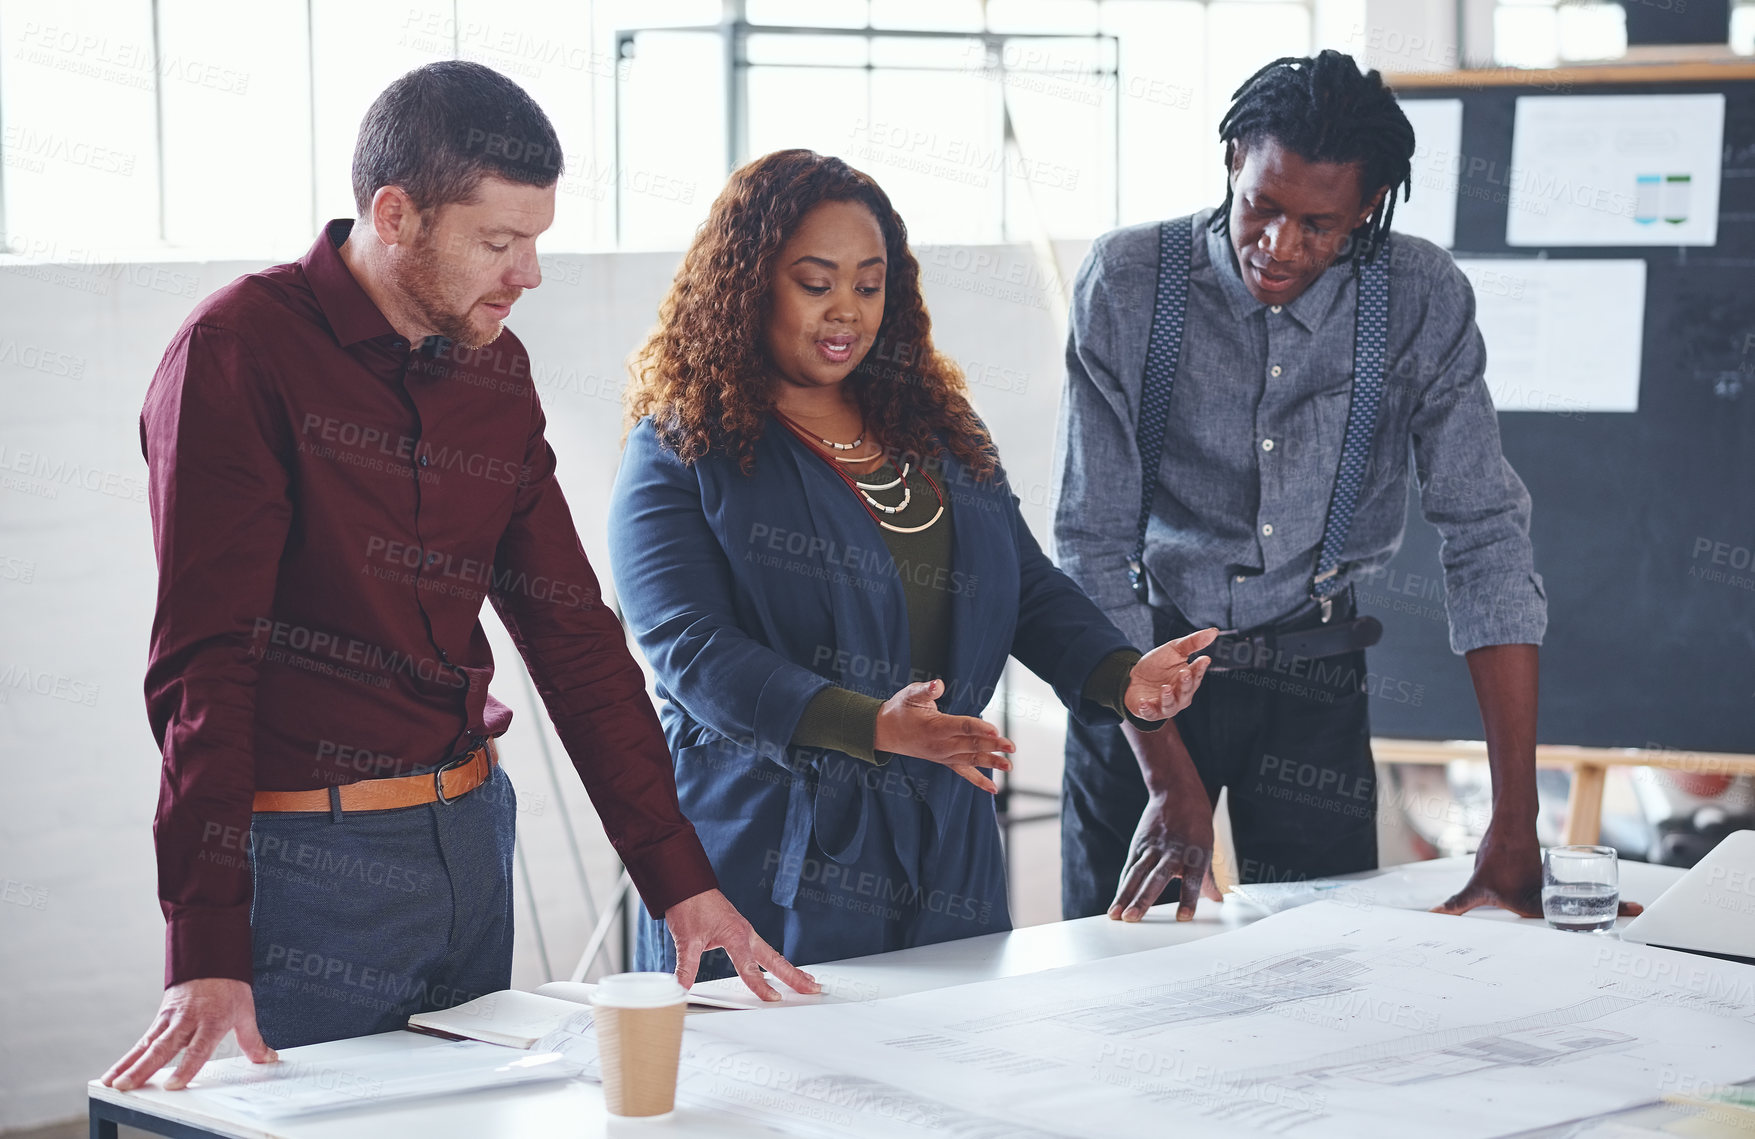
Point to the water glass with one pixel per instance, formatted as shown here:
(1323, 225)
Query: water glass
(1581, 889)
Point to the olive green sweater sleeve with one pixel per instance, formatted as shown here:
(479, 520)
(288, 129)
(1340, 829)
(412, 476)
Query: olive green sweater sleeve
(1107, 686)
(847, 721)
(840, 719)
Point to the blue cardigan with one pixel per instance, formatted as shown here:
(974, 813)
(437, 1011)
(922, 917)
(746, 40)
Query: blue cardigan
(751, 594)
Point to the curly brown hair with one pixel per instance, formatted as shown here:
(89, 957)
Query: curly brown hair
(703, 374)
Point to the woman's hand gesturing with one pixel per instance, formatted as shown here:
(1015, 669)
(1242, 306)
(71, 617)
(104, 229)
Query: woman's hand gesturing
(1163, 682)
(910, 723)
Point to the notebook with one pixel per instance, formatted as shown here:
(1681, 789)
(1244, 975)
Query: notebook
(517, 1019)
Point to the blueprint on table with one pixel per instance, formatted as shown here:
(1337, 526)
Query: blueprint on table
(1324, 1022)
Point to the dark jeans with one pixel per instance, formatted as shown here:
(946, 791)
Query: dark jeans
(359, 922)
(1292, 743)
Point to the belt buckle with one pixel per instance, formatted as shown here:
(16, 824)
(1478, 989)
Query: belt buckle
(449, 765)
(1325, 599)
(1238, 651)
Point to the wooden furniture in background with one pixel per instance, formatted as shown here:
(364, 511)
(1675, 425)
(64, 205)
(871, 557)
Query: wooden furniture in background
(1589, 767)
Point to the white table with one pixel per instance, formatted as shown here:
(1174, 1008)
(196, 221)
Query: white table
(574, 1109)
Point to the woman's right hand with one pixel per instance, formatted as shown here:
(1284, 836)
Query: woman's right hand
(910, 723)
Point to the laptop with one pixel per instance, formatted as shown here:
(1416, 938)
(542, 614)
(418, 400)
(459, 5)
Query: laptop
(1711, 910)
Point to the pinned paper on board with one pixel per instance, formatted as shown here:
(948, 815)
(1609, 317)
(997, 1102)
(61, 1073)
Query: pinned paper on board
(1615, 170)
(1430, 211)
(1562, 336)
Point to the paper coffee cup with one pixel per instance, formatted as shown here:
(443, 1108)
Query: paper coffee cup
(639, 1021)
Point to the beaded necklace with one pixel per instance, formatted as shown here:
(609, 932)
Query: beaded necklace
(872, 505)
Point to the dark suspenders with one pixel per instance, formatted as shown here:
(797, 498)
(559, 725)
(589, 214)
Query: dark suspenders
(1169, 310)
(1163, 351)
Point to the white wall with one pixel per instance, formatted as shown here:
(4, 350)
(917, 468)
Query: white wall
(80, 932)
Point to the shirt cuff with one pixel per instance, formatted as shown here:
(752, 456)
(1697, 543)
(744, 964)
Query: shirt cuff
(1504, 609)
(671, 872)
(841, 720)
(208, 941)
(1107, 685)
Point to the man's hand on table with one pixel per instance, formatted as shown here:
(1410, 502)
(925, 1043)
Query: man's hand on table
(1174, 841)
(192, 1019)
(709, 921)
(1508, 874)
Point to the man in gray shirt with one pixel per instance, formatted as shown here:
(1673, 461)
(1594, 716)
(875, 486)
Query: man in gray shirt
(1315, 152)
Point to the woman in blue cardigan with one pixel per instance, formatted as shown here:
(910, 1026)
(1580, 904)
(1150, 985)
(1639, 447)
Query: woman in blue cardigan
(818, 552)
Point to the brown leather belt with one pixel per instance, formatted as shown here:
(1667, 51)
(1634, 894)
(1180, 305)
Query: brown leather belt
(457, 778)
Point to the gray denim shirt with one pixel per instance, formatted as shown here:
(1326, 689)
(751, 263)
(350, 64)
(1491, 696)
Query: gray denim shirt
(1257, 417)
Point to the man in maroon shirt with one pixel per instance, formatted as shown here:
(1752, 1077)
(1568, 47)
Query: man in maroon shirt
(347, 456)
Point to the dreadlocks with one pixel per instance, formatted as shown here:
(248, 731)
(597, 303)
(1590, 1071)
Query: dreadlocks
(1325, 110)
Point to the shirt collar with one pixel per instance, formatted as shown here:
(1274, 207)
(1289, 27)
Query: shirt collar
(1309, 309)
(351, 314)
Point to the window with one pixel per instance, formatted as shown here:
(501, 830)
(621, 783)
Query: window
(78, 127)
(236, 127)
(1546, 33)
(209, 128)
(194, 126)
(1053, 118)
(1743, 27)
(667, 155)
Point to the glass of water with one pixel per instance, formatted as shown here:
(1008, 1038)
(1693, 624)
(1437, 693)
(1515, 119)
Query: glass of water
(1580, 888)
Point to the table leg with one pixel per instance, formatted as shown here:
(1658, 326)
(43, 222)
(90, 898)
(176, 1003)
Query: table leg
(1584, 807)
(102, 1127)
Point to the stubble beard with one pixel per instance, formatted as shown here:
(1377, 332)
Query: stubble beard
(421, 279)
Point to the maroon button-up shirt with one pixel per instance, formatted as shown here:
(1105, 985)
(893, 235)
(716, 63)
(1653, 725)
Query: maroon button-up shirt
(330, 507)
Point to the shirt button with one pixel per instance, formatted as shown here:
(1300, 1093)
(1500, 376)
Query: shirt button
(433, 559)
(1239, 579)
(399, 344)
(423, 460)
(1267, 530)
(1267, 444)
(1274, 371)
(1276, 308)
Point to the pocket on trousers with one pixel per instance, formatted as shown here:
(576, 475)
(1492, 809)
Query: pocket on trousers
(350, 912)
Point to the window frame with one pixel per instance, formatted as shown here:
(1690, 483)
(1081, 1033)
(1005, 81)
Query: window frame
(734, 37)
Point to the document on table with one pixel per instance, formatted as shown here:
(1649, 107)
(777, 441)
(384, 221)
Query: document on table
(1615, 170)
(1323, 1021)
(576, 1040)
(1405, 887)
(1563, 336)
(295, 1087)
